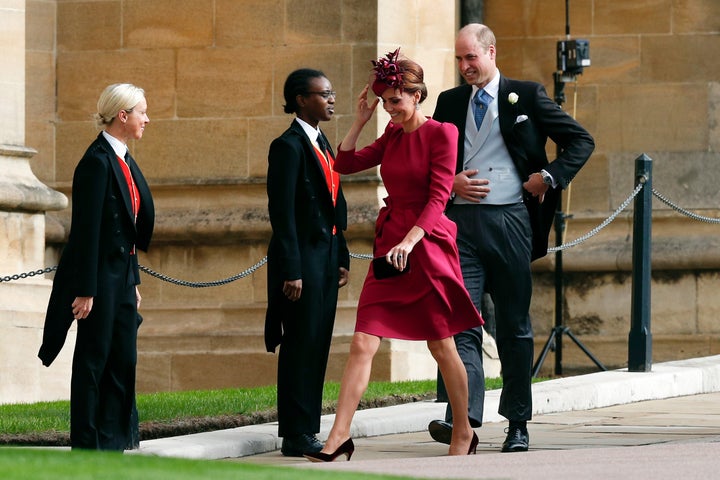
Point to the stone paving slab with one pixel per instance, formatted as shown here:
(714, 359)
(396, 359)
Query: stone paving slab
(686, 461)
(658, 439)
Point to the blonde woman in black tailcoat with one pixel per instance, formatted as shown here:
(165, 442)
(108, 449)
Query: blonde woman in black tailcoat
(96, 281)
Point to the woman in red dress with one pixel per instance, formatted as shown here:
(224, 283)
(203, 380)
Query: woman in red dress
(428, 301)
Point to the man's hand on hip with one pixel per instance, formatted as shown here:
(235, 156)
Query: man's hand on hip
(536, 186)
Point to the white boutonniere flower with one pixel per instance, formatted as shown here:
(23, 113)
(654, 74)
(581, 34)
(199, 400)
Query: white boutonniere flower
(513, 98)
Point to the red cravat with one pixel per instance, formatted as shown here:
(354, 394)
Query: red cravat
(132, 188)
(332, 178)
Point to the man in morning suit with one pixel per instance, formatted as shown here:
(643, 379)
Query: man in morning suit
(504, 198)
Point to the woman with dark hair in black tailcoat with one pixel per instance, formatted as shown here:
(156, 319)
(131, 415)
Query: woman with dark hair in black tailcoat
(308, 259)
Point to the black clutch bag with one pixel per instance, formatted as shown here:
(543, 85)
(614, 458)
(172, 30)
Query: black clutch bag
(383, 269)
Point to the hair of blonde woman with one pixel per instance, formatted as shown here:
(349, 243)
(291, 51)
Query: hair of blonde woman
(117, 97)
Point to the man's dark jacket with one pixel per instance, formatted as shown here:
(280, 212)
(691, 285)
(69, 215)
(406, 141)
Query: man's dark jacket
(526, 142)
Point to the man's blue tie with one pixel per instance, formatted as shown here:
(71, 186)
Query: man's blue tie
(481, 100)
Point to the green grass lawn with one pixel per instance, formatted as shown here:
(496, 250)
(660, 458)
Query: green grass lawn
(168, 407)
(56, 464)
(61, 463)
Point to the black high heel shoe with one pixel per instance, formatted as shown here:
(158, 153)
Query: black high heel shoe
(473, 444)
(347, 449)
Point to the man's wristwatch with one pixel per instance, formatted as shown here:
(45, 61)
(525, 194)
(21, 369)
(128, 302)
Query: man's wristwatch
(547, 179)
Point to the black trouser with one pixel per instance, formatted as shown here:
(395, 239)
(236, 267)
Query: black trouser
(102, 390)
(305, 344)
(494, 242)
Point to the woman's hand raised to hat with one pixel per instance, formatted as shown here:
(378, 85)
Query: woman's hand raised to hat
(365, 110)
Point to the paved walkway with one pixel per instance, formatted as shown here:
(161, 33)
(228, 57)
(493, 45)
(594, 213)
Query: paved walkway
(605, 425)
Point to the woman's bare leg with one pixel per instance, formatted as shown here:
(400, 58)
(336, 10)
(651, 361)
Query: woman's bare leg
(352, 386)
(456, 383)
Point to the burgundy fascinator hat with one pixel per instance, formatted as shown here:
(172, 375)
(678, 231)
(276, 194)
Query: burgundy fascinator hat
(388, 74)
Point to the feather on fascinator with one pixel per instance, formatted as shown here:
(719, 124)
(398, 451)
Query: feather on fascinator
(388, 74)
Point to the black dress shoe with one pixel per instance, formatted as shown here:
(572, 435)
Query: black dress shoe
(297, 445)
(517, 440)
(440, 431)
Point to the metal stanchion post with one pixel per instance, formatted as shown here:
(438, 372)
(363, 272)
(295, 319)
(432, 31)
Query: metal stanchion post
(640, 338)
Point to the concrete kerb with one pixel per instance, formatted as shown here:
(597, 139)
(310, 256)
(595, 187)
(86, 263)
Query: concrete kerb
(582, 392)
(616, 387)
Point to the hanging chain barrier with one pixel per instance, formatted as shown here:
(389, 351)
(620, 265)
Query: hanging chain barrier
(365, 256)
(18, 276)
(604, 224)
(682, 211)
(216, 283)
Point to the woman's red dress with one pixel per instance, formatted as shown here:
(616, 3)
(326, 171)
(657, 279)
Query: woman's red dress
(430, 301)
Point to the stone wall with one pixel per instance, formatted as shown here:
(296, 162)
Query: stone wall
(213, 72)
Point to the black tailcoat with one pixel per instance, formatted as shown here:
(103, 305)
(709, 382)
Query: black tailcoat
(102, 236)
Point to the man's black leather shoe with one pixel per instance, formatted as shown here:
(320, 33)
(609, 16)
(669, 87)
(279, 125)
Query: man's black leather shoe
(517, 440)
(440, 431)
(297, 445)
